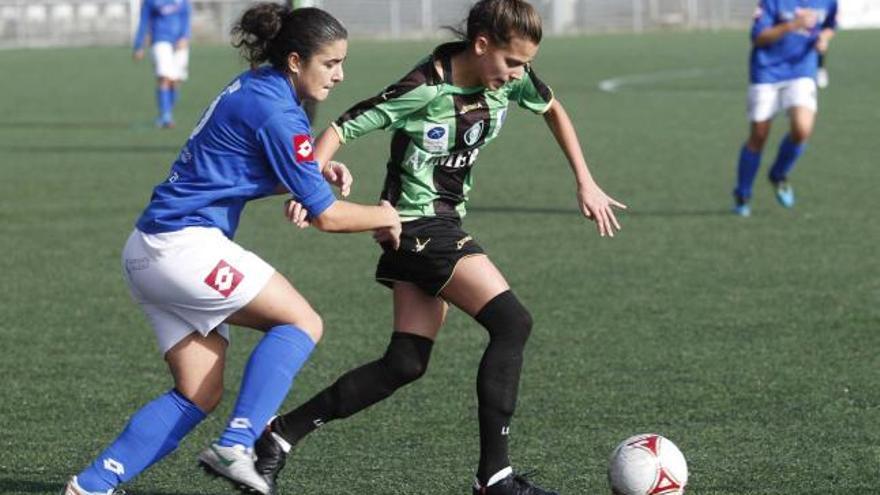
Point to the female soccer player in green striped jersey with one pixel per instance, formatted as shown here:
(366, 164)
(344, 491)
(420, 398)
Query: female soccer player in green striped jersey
(442, 113)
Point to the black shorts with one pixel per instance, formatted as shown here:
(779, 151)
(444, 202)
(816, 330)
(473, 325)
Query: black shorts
(429, 250)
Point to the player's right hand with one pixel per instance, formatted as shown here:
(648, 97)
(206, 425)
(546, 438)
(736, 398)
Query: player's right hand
(389, 236)
(296, 213)
(138, 55)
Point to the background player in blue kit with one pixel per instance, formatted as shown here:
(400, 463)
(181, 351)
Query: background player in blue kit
(168, 24)
(787, 36)
(192, 280)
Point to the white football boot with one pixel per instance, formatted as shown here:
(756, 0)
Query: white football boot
(236, 465)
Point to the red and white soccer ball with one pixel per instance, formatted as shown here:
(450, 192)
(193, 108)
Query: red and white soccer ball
(647, 465)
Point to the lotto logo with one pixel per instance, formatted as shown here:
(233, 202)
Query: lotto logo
(114, 466)
(302, 147)
(224, 278)
(240, 423)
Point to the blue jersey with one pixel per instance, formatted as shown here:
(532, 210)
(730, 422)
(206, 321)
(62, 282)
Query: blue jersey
(167, 20)
(252, 139)
(794, 55)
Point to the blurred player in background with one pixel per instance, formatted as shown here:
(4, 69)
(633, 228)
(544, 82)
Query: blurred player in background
(192, 280)
(822, 78)
(168, 24)
(442, 114)
(787, 37)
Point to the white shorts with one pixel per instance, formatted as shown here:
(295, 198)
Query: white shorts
(170, 63)
(766, 99)
(190, 280)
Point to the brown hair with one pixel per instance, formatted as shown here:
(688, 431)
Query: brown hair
(501, 20)
(270, 32)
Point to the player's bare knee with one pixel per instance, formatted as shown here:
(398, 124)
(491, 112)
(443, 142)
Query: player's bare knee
(206, 396)
(311, 323)
(800, 136)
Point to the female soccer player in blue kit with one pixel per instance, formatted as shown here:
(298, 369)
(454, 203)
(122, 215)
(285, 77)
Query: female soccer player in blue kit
(787, 37)
(168, 23)
(192, 280)
(442, 113)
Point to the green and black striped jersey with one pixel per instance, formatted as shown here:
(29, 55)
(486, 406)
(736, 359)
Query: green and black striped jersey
(438, 131)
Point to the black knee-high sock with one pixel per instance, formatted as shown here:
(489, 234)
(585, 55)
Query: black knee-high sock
(509, 325)
(405, 360)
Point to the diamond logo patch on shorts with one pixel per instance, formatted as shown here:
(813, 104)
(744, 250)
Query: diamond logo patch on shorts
(224, 278)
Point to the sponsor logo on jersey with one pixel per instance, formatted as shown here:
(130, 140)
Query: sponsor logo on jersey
(469, 108)
(474, 133)
(461, 242)
(436, 137)
(416, 161)
(456, 160)
(302, 148)
(224, 278)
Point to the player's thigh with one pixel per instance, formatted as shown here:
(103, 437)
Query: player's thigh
(279, 303)
(416, 311)
(763, 101)
(802, 121)
(475, 282)
(758, 133)
(197, 363)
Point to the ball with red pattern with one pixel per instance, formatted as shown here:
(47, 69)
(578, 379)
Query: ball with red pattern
(647, 465)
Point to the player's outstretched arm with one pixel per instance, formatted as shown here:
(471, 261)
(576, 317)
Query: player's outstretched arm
(592, 200)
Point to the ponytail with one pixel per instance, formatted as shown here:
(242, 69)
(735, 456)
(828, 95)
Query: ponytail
(270, 32)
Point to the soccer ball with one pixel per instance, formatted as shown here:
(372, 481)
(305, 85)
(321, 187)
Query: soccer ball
(647, 465)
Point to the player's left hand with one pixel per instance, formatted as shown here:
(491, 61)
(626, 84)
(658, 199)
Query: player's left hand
(181, 44)
(337, 174)
(822, 44)
(296, 213)
(597, 206)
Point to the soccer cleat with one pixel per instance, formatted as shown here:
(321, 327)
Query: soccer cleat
(741, 207)
(72, 488)
(271, 451)
(236, 465)
(513, 484)
(784, 193)
(822, 78)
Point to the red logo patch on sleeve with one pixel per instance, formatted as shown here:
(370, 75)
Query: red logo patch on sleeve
(224, 278)
(302, 148)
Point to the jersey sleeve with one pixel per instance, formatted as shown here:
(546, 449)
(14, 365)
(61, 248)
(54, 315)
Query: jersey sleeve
(286, 140)
(531, 93)
(831, 17)
(142, 25)
(764, 18)
(393, 104)
(185, 19)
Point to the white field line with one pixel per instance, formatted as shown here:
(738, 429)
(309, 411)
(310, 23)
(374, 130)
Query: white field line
(647, 79)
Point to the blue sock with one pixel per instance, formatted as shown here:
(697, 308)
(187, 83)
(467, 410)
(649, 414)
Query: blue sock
(151, 434)
(749, 162)
(163, 101)
(173, 97)
(789, 152)
(267, 379)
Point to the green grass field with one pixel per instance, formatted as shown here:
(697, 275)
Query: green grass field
(754, 344)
